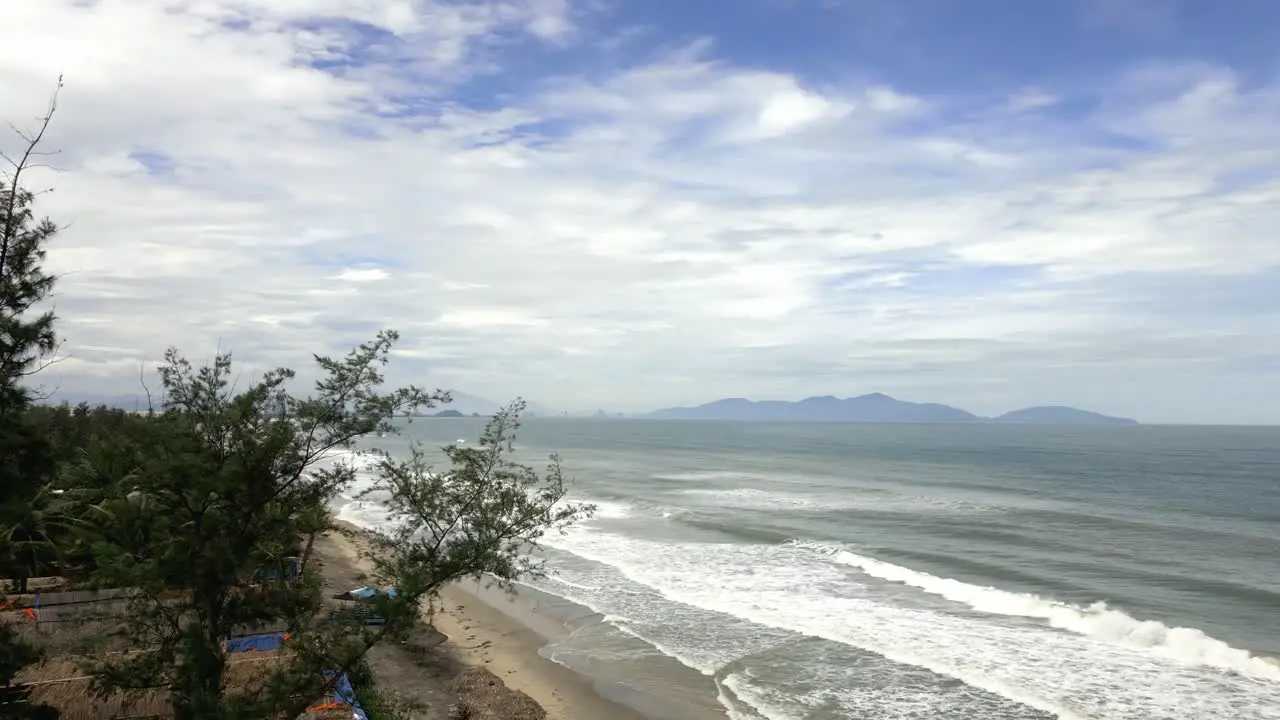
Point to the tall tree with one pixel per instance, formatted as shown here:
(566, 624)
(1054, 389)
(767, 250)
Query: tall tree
(481, 517)
(26, 338)
(26, 334)
(227, 485)
(234, 483)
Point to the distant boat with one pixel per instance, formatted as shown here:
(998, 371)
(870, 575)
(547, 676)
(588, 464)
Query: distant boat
(460, 441)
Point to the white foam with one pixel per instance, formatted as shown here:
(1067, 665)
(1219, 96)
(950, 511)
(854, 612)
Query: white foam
(741, 689)
(1109, 666)
(609, 510)
(1063, 674)
(557, 577)
(1185, 645)
(364, 514)
(750, 498)
(678, 632)
(705, 475)
(665, 649)
(745, 697)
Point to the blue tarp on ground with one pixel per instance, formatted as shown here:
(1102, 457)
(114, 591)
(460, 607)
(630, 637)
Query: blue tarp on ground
(272, 641)
(342, 689)
(347, 694)
(368, 592)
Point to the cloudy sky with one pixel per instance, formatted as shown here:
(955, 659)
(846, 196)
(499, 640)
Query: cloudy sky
(636, 203)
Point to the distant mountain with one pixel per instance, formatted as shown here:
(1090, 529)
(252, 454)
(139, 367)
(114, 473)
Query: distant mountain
(448, 414)
(462, 402)
(466, 404)
(1060, 415)
(876, 407)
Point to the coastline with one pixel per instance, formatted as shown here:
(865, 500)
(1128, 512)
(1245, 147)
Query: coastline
(482, 635)
(501, 666)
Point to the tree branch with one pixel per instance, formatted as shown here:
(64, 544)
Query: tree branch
(15, 182)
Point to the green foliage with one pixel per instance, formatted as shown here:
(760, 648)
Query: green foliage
(482, 516)
(27, 337)
(185, 506)
(222, 485)
(24, 339)
(71, 431)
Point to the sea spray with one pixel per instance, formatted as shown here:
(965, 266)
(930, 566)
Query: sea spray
(1185, 645)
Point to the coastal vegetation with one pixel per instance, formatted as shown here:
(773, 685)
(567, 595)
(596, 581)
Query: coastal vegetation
(197, 516)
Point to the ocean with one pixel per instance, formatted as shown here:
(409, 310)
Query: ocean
(819, 571)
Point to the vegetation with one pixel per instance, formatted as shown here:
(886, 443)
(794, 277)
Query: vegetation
(194, 505)
(487, 510)
(27, 338)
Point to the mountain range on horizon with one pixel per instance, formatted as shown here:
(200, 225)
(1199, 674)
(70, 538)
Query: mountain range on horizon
(875, 407)
(464, 403)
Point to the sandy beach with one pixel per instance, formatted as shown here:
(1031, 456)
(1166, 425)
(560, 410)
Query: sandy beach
(480, 634)
(488, 659)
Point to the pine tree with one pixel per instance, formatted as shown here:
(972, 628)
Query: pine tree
(481, 516)
(26, 334)
(227, 486)
(26, 338)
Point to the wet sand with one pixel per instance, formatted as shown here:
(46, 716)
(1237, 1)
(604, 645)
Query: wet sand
(578, 645)
(481, 635)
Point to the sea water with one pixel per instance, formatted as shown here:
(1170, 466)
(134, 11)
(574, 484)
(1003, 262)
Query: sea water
(820, 571)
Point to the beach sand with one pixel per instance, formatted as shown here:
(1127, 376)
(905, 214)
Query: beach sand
(490, 659)
(483, 635)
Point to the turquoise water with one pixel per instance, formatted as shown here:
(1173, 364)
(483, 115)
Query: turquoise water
(920, 571)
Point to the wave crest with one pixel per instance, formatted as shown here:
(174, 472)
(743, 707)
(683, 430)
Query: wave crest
(1097, 620)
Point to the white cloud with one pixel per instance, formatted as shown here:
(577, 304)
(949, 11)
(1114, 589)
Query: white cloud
(1031, 99)
(363, 275)
(729, 230)
(489, 317)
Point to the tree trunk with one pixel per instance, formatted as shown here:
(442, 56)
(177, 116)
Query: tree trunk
(200, 694)
(306, 552)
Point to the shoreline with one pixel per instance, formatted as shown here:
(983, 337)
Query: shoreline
(490, 644)
(482, 635)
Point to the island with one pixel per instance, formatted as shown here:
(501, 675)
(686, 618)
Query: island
(875, 407)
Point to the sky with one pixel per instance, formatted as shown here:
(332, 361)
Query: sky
(633, 204)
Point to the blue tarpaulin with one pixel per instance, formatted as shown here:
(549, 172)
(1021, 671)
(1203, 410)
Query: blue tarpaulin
(342, 689)
(255, 642)
(368, 592)
(347, 694)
